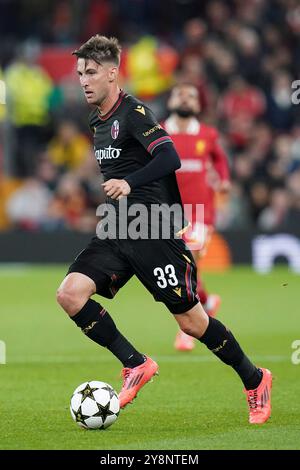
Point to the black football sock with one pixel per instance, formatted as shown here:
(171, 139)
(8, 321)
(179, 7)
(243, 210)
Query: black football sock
(96, 323)
(224, 345)
(121, 348)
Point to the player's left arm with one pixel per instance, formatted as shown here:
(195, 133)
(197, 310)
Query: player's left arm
(144, 127)
(220, 163)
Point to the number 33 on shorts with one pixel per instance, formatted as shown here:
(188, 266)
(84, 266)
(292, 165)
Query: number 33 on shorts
(165, 276)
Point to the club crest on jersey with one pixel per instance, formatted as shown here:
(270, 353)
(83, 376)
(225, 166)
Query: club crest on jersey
(200, 147)
(115, 129)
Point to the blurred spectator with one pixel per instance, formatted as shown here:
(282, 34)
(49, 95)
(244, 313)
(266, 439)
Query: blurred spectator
(293, 216)
(62, 22)
(69, 148)
(240, 106)
(217, 13)
(249, 55)
(295, 148)
(243, 168)
(194, 34)
(293, 17)
(47, 172)
(272, 38)
(280, 110)
(250, 13)
(192, 71)
(282, 146)
(235, 214)
(259, 199)
(276, 173)
(242, 100)
(150, 67)
(27, 207)
(98, 18)
(260, 146)
(91, 179)
(28, 94)
(68, 205)
(221, 64)
(72, 103)
(273, 217)
(293, 183)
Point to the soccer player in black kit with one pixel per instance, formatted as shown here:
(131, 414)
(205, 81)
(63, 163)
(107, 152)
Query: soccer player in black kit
(138, 162)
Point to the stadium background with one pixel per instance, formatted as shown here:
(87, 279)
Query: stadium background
(243, 57)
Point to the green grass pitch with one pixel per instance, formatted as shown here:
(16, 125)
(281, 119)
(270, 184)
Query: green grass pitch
(195, 403)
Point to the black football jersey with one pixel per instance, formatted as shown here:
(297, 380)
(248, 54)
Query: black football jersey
(124, 140)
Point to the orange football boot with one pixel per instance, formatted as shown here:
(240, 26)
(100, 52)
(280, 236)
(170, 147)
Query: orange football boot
(259, 399)
(134, 379)
(184, 342)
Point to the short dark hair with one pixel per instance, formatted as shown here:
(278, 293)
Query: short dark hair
(100, 49)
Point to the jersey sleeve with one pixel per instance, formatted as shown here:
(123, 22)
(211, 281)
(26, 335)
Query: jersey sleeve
(144, 127)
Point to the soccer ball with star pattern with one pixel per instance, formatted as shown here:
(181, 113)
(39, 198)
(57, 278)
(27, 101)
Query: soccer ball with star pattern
(95, 405)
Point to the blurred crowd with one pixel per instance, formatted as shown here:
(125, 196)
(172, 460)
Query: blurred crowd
(244, 58)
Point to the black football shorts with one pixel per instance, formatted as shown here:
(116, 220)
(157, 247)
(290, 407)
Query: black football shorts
(165, 267)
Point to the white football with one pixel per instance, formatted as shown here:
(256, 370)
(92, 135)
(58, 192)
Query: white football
(95, 405)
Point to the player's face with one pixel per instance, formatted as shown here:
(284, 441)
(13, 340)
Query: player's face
(95, 79)
(184, 100)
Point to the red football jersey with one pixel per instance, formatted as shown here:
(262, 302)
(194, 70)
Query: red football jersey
(200, 154)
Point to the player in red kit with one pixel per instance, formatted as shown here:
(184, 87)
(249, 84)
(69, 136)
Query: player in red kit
(204, 170)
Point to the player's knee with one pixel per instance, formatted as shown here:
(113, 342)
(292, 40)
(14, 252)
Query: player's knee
(63, 297)
(74, 292)
(69, 299)
(189, 328)
(194, 323)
